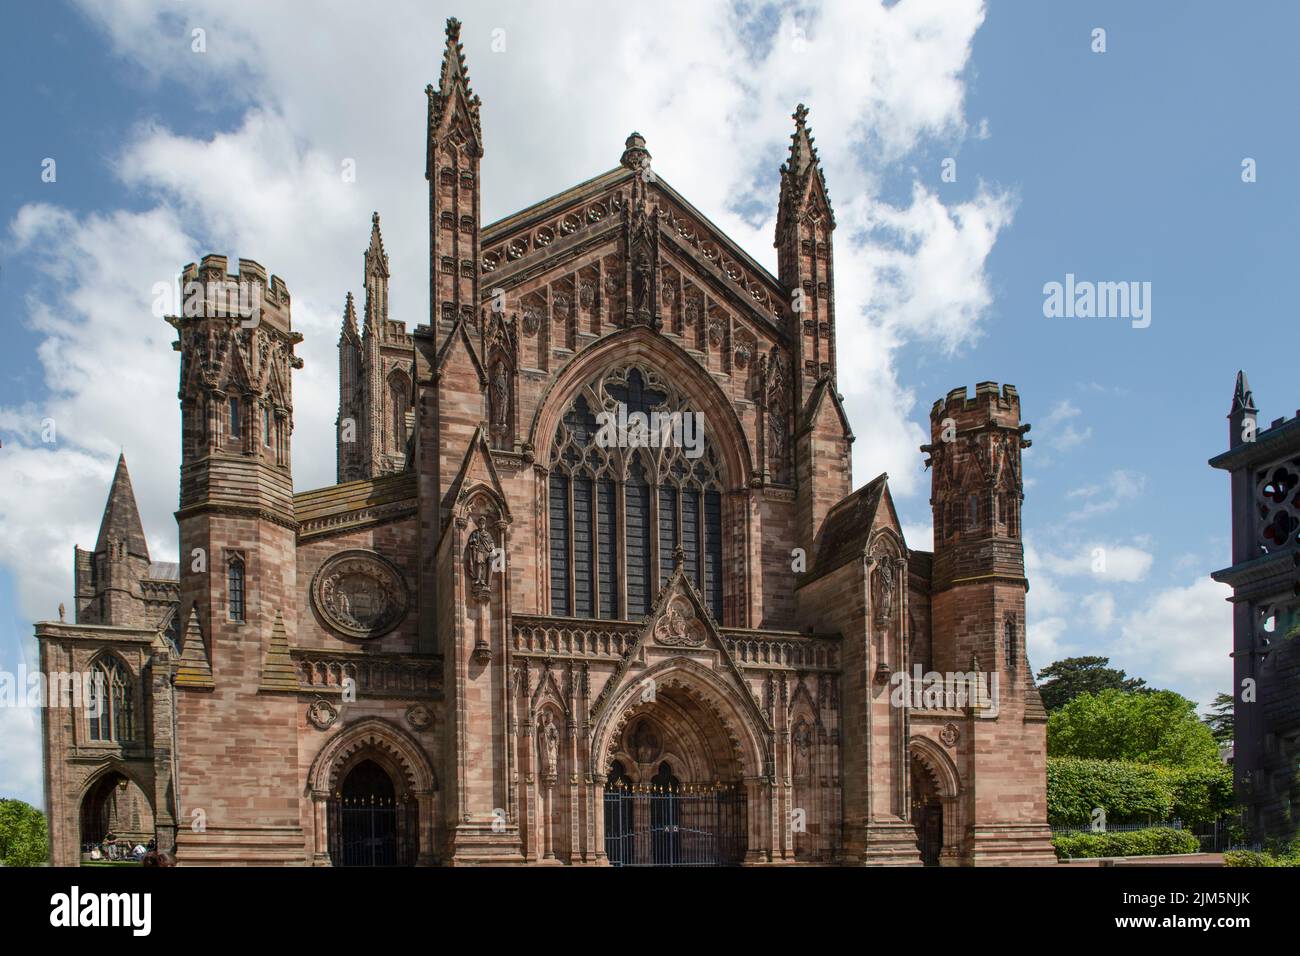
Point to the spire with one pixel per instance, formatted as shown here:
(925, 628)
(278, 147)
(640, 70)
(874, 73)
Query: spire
(376, 259)
(121, 520)
(1242, 398)
(635, 155)
(802, 152)
(453, 105)
(349, 333)
(797, 173)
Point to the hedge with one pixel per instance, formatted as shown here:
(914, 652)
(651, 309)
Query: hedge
(1134, 792)
(1154, 841)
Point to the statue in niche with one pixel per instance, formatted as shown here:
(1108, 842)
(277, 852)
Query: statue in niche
(884, 590)
(643, 269)
(478, 555)
(499, 398)
(550, 747)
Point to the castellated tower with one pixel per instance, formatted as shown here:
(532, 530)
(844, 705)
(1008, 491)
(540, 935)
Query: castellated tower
(238, 561)
(978, 610)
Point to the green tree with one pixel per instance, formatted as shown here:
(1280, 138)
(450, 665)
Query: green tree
(23, 840)
(1220, 718)
(1155, 727)
(1061, 682)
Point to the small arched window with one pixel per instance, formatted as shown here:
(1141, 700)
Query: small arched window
(972, 512)
(235, 423)
(235, 589)
(1010, 641)
(399, 402)
(111, 706)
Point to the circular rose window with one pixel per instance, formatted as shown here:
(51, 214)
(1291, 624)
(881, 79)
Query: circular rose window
(359, 594)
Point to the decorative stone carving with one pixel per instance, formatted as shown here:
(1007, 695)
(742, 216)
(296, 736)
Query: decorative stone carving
(419, 716)
(678, 626)
(360, 594)
(950, 735)
(715, 332)
(478, 559)
(586, 293)
(883, 592)
(321, 714)
(532, 319)
(643, 743)
(550, 740)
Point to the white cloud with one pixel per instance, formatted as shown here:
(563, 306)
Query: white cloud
(1062, 434)
(1100, 608)
(1120, 486)
(1180, 638)
(1103, 561)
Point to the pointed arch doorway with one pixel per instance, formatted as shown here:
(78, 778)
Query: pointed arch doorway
(674, 794)
(372, 824)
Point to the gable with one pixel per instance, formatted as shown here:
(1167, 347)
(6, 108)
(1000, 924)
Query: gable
(548, 237)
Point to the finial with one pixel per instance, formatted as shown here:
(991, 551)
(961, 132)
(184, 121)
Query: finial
(635, 155)
(453, 28)
(1242, 399)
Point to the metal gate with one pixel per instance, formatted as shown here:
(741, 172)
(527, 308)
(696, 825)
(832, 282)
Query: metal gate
(373, 831)
(692, 827)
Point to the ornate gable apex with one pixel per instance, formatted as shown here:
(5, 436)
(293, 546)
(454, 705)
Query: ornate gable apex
(680, 619)
(518, 245)
(477, 468)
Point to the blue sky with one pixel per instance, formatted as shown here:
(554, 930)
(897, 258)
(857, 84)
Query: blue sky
(1115, 166)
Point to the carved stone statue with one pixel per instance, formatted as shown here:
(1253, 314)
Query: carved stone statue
(550, 747)
(500, 395)
(642, 276)
(884, 590)
(478, 557)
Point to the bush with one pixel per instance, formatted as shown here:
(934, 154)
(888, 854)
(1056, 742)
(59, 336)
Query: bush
(1154, 841)
(1127, 792)
(1200, 794)
(22, 834)
(1135, 792)
(1248, 858)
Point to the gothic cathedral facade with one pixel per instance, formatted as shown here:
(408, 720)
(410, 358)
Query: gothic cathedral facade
(503, 637)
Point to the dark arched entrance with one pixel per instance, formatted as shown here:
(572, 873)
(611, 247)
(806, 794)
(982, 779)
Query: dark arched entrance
(99, 810)
(927, 814)
(371, 824)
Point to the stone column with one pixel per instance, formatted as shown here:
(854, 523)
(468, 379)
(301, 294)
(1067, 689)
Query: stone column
(320, 814)
(425, 803)
(597, 791)
(951, 854)
(549, 810)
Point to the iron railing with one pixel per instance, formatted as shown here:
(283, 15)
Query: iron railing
(687, 827)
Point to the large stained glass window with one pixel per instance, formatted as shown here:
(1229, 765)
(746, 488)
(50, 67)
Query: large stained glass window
(623, 502)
